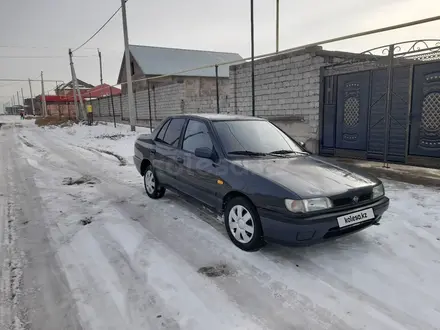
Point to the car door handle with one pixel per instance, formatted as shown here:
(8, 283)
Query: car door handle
(153, 151)
(180, 160)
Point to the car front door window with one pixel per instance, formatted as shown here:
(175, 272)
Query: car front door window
(172, 134)
(196, 136)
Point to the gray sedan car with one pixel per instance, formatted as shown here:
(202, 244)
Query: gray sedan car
(265, 183)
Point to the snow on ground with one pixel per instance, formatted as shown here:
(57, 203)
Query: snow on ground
(133, 263)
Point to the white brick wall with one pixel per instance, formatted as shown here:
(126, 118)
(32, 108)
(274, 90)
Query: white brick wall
(286, 91)
(195, 96)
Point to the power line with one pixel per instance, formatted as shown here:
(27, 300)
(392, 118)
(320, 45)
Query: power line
(99, 30)
(19, 80)
(39, 57)
(59, 48)
(39, 47)
(10, 84)
(15, 81)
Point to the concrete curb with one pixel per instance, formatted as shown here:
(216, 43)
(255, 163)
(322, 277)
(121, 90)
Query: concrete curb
(404, 173)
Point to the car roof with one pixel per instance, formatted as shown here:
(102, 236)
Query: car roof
(217, 116)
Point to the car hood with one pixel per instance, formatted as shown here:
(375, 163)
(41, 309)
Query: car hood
(308, 176)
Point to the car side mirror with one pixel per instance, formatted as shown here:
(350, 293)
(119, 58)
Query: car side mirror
(303, 146)
(203, 152)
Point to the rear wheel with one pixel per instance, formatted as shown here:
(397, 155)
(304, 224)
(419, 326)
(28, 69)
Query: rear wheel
(151, 184)
(243, 224)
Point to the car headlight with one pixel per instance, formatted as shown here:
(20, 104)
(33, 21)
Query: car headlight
(308, 205)
(378, 191)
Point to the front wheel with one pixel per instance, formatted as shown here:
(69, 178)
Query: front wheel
(243, 224)
(151, 184)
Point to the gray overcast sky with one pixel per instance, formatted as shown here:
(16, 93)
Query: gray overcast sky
(195, 24)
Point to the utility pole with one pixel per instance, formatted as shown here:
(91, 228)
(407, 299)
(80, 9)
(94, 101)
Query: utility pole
(278, 27)
(76, 90)
(22, 97)
(73, 85)
(32, 97)
(83, 113)
(43, 96)
(131, 109)
(252, 58)
(100, 65)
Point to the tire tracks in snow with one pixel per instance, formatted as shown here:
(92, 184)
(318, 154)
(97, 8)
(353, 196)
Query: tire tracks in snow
(39, 298)
(12, 269)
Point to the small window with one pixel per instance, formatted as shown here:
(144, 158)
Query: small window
(162, 131)
(196, 136)
(132, 68)
(172, 135)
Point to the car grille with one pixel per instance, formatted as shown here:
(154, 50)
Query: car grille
(345, 201)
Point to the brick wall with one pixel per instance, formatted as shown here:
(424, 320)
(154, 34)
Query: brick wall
(287, 91)
(194, 95)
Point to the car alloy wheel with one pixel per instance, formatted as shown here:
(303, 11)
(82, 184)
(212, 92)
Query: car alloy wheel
(152, 186)
(243, 224)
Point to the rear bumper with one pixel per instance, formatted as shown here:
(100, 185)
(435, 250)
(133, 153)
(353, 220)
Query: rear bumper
(287, 230)
(137, 162)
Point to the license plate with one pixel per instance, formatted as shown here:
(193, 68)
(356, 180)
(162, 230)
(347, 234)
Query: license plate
(355, 218)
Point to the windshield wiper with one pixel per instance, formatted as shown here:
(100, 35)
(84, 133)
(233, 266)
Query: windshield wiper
(286, 151)
(247, 153)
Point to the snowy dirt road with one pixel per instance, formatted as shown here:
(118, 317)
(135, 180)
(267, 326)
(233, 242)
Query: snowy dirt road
(98, 254)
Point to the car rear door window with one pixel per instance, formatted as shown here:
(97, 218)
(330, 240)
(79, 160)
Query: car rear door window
(172, 135)
(162, 131)
(196, 136)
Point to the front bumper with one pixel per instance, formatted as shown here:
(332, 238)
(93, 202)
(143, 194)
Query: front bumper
(287, 230)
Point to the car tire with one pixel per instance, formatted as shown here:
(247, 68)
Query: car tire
(244, 229)
(151, 184)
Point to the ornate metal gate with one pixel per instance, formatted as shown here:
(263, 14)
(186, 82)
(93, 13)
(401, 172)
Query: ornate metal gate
(425, 117)
(352, 111)
(385, 104)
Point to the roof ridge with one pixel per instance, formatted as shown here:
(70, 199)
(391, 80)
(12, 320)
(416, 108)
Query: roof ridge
(187, 49)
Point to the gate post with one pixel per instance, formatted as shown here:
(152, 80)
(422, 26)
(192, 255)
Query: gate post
(321, 107)
(149, 106)
(388, 107)
(408, 118)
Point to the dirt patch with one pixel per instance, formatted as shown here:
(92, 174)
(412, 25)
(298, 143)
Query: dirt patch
(86, 221)
(110, 136)
(54, 121)
(122, 160)
(6, 126)
(85, 179)
(215, 271)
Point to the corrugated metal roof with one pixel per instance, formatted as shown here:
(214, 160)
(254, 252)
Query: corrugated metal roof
(161, 61)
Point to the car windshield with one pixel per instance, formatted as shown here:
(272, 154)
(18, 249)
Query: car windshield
(254, 138)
